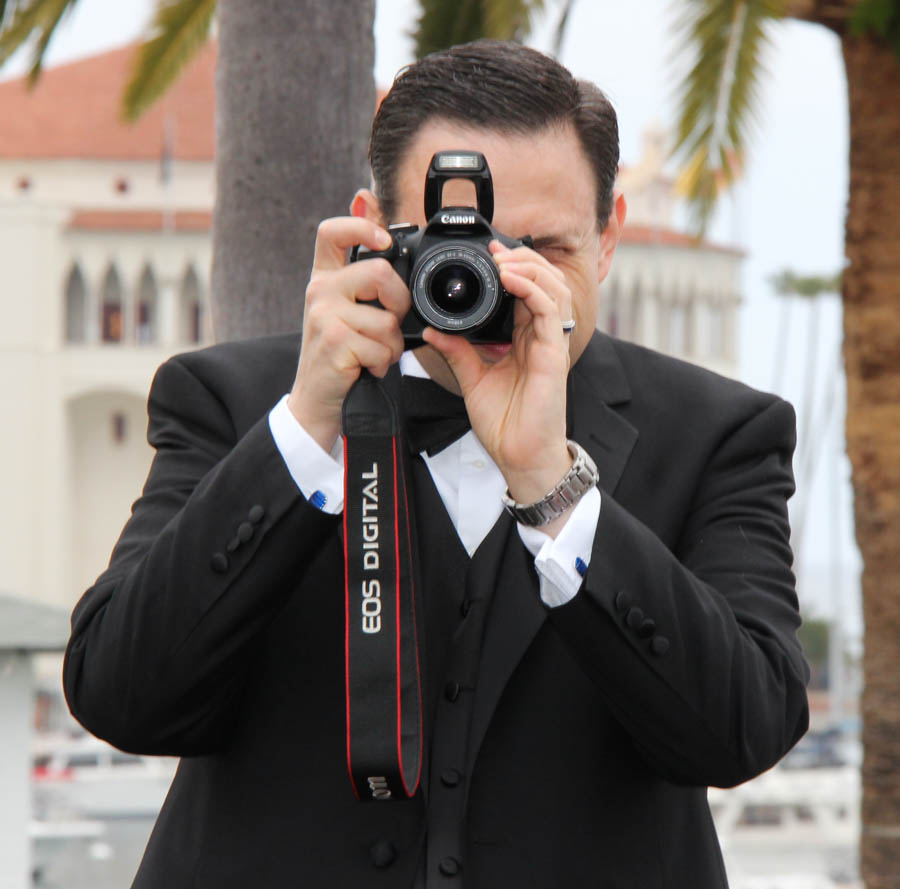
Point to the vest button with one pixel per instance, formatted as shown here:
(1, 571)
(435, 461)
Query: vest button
(449, 866)
(451, 690)
(383, 854)
(219, 563)
(450, 777)
(256, 514)
(244, 531)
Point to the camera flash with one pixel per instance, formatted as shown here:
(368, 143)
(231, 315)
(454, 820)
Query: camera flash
(459, 162)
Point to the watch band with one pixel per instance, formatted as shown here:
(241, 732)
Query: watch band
(573, 486)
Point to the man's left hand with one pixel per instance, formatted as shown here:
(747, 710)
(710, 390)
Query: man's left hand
(517, 403)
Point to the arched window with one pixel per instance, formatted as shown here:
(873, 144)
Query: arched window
(145, 319)
(677, 344)
(190, 304)
(112, 310)
(76, 306)
(636, 313)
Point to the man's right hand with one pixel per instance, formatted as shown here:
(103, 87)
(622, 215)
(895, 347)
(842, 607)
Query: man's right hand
(342, 332)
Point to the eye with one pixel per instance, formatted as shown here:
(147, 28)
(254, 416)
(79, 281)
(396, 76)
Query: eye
(554, 252)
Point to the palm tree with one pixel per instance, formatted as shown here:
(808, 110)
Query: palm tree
(295, 93)
(717, 99)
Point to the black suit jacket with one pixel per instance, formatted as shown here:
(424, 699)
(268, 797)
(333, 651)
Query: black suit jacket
(216, 634)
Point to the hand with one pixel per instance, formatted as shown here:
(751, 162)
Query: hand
(342, 333)
(517, 404)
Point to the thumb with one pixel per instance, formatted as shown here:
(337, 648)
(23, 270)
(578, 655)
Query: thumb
(459, 353)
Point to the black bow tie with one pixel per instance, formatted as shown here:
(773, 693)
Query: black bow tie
(435, 418)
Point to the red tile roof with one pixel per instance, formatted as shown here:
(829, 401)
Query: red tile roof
(667, 237)
(139, 220)
(73, 112)
(201, 221)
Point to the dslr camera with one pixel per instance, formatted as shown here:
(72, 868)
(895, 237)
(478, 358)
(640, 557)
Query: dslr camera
(451, 275)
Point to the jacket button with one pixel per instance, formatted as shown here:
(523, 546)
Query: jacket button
(450, 777)
(256, 514)
(219, 563)
(623, 600)
(383, 853)
(244, 531)
(659, 645)
(647, 628)
(634, 618)
(451, 690)
(449, 866)
(233, 544)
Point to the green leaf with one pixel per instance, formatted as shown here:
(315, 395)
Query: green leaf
(789, 283)
(442, 24)
(445, 23)
(23, 21)
(878, 17)
(180, 28)
(719, 95)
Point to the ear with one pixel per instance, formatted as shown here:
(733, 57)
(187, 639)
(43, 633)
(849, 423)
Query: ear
(365, 206)
(611, 234)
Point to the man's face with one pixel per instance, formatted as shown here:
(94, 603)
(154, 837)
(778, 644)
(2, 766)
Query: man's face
(543, 187)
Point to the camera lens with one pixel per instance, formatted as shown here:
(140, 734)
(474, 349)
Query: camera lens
(455, 288)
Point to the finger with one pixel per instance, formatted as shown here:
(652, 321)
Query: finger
(502, 253)
(337, 235)
(356, 284)
(544, 310)
(326, 327)
(368, 353)
(366, 281)
(546, 277)
(460, 354)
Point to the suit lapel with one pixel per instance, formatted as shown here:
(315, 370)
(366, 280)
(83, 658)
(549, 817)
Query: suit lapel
(595, 384)
(516, 614)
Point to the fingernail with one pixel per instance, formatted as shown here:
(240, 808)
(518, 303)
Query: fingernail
(383, 239)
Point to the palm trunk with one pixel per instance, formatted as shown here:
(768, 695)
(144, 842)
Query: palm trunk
(872, 356)
(295, 96)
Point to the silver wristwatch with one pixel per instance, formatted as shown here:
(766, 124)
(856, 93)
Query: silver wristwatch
(574, 485)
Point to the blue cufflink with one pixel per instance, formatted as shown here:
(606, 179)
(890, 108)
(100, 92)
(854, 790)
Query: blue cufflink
(317, 499)
(580, 566)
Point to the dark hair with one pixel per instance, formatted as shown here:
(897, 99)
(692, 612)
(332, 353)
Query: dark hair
(499, 86)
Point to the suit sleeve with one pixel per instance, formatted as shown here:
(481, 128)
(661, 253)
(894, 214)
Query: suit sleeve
(695, 649)
(161, 644)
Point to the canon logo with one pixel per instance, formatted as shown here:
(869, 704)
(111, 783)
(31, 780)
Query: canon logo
(457, 219)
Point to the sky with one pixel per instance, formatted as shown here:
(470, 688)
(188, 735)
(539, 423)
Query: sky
(787, 212)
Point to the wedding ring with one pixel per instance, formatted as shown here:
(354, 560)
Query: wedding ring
(568, 326)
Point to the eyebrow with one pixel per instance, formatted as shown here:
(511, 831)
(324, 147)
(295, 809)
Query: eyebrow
(560, 240)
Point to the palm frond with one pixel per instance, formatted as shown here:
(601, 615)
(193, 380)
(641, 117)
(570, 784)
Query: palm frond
(510, 19)
(444, 23)
(718, 97)
(180, 28)
(559, 32)
(23, 21)
(789, 283)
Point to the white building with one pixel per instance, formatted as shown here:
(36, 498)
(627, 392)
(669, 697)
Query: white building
(105, 252)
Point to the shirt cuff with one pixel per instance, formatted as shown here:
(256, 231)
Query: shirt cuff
(562, 562)
(319, 475)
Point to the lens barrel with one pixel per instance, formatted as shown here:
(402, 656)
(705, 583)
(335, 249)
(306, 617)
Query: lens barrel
(455, 287)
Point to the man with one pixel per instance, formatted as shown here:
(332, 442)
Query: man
(586, 678)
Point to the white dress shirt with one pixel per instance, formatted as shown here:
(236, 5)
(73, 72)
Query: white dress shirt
(470, 485)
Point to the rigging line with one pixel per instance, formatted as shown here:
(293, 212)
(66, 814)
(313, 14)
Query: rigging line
(808, 459)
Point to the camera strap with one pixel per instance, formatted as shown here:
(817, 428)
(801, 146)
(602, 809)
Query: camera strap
(383, 679)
